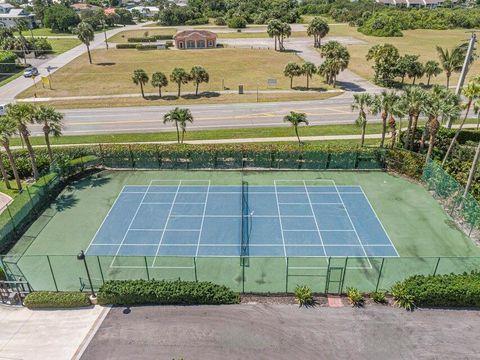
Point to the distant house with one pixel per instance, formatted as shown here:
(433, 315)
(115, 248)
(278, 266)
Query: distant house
(9, 16)
(413, 3)
(146, 11)
(195, 39)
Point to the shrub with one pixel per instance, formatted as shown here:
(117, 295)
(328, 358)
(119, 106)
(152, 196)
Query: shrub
(405, 162)
(59, 300)
(197, 21)
(220, 21)
(131, 292)
(237, 22)
(453, 290)
(354, 296)
(168, 44)
(378, 297)
(141, 39)
(304, 296)
(145, 47)
(402, 297)
(126, 46)
(7, 62)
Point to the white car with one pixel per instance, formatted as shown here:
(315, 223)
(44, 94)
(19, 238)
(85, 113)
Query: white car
(2, 109)
(30, 72)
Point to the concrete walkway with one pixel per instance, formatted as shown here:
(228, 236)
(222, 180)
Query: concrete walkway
(46, 334)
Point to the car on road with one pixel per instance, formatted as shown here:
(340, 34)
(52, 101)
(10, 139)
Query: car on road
(3, 109)
(30, 72)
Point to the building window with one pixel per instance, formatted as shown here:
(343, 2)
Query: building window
(200, 43)
(190, 44)
(210, 43)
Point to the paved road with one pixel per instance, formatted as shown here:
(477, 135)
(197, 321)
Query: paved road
(209, 116)
(285, 332)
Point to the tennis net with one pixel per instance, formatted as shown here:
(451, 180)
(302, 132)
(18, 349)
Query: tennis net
(245, 220)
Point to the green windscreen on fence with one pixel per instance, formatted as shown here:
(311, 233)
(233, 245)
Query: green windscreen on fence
(462, 207)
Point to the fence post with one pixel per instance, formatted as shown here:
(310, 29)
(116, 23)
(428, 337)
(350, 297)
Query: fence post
(53, 275)
(101, 271)
(30, 198)
(379, 275)
(146, 268)
(11, 219)
(343, 276)
(286, 277)
(195, 268)
(436, 266)
(243, 274)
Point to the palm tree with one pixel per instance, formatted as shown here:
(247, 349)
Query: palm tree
(291, 70)
(412, 101)
(179, 76)
(309, 69)
(274, 30)
(140, 77)
(285, 32)
(362, 103)
(51, 120)
(296, 119)
(318, 28)
(432, 68)
(22, 115)
(384, 104)
(440, 102)
(180, 117)
(85, 34)
(198, 75)
(159, 80)
(470, 91)
(452, 61)
(8, 128)
(476, 108)
(337, 59)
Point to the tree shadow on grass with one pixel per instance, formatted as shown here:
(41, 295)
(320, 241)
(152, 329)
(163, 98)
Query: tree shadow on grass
(205, 94)
(106, 64)
(304, 88)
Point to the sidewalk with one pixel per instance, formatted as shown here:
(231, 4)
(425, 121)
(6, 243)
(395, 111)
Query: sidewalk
(46, 334)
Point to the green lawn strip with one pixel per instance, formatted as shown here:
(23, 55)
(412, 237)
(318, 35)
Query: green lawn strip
(61, 45)
(320, 130)
(12, 77)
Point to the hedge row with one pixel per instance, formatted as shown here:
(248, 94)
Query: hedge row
(56, 300)
(7, 62)
(405, 162)
(132, 292)
(153, 38)
(453, 290)
(142, 46)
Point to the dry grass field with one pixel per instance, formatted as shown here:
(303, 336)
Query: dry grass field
(112, 71)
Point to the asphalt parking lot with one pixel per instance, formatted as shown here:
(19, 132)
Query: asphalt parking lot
(259, 331)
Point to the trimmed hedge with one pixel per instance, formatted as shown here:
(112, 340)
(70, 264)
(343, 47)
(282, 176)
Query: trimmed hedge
(405, 162)
(136, 292)
(57, 300)
(453, 290)
(126, 46)
(153, 38)
(146, 47)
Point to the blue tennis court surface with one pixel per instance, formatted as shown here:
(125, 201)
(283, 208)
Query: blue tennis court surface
(194, 218)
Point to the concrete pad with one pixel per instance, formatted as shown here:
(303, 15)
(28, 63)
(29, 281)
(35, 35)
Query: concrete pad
(44, 334)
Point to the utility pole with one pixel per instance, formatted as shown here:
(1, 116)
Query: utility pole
(105, 33)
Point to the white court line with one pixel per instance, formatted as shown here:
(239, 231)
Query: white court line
(254, 245)
(203, 219)
(166, 222)
(314, 217)
(280, 221)
(129, 225)
(381, 224)
(351, 223)
(104, 219)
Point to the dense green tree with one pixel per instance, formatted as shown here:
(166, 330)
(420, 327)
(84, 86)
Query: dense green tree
(60, 18)
(385, 57)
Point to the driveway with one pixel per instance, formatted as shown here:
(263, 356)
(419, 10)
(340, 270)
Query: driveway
(255, 331)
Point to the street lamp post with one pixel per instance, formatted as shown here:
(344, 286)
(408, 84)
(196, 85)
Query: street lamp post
(81, 256)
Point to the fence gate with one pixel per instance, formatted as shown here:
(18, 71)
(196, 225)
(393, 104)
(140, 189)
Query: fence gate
(14, 292)
(334, 280)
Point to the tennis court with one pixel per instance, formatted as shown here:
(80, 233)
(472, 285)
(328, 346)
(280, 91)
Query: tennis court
(291, 218)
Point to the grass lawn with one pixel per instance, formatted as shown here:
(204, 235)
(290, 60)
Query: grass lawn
(122, 37)
(44, 32)
(208, 98)
(61, 45)
(6, 79)
(416, 42)
(10, 192)
(112, 71)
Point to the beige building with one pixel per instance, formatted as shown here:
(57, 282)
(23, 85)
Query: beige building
(195, 39)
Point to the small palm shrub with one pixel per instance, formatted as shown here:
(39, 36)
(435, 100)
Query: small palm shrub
(304, 296)
(378, 297)
(354, 296)
(402, 296)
